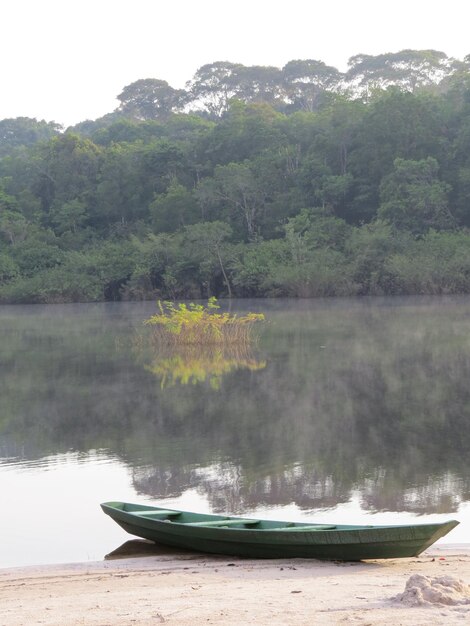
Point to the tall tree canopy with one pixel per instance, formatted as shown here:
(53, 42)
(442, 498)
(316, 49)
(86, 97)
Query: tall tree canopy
(150, 99)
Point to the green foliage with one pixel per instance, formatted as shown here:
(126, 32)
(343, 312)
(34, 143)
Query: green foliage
(395, 125)
(198, 324)
(68, 169)
(413, 198)
(157, 262)
(71, 282)
(325, 273)
(312, 229)
(7, 202)
(24, 131)
(238, 192)
(174, 209)
(407, 69)
(33, 256)
(438, 264)
(8, 268)
(369, 248)
(243, 132)
(149, 99)
(255, 267)
(13, 226)
(68, 217)
(152, 202)
(308, 81)
(113, 263)
(206, 246)
(48, 274)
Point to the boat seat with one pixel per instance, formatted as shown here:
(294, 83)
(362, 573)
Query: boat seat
(313, 527)
(223, 522)
(154, 513)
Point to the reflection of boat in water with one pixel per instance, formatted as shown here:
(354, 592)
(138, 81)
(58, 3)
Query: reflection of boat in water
(270, 539)
(141, 547)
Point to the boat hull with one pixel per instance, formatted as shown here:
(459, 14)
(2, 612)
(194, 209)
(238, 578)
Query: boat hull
(346, 543)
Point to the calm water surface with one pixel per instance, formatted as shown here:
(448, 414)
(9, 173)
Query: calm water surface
(347, 410)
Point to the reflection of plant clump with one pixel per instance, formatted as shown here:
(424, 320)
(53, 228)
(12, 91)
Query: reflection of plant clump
(193, 365)
(198, 324)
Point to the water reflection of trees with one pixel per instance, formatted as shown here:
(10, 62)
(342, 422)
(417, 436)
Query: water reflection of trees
(354, 398)
(436, 495)
(227, 490)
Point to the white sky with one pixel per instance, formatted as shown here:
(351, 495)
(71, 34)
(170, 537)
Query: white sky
(67, 60)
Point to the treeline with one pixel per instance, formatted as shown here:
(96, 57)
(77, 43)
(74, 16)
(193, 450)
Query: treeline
(301, 85)
(357, 185)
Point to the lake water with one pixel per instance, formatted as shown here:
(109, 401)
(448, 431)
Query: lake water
(346, 410)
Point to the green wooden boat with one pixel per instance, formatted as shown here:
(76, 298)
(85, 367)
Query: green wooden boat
(254, 538)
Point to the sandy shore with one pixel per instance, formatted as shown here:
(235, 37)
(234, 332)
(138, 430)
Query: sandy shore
(192, 589)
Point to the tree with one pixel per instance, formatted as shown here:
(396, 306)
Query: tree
(8, 268)
(119, 186)
(150, 99)
(413, 198)
(114, 264)
(235, 187)
(256, 266)
(307, 81)
(437, 263)
(156, 273)
(131, 176)
(33, 255)
(13, 225)
(213, 86)
(370, 248)
(206, 240)
(65, 169)
(24, 131)
(462, 208)
(125, 130)
(314, 228)
(408, 70)
(332, 191)
(174, 209)
(68, 217)
(260, 84)
(246, 130)
(7, 201)
(396, 125)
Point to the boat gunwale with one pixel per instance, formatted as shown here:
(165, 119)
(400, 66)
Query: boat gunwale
(297, 527)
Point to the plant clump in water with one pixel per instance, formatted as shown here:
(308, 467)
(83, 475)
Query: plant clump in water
(196, 324)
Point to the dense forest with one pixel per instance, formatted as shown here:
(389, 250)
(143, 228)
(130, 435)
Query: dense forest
(252, 181)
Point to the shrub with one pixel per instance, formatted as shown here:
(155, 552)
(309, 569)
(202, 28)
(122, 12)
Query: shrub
(198, 324)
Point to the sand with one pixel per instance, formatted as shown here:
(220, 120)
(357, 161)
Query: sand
(192, 589)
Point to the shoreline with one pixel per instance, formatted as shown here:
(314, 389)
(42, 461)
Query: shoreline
(186, 588)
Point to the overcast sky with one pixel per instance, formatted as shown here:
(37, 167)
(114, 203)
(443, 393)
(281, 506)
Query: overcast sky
(67, 60)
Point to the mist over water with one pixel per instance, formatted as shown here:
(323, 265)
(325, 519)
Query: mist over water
(344, 410)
